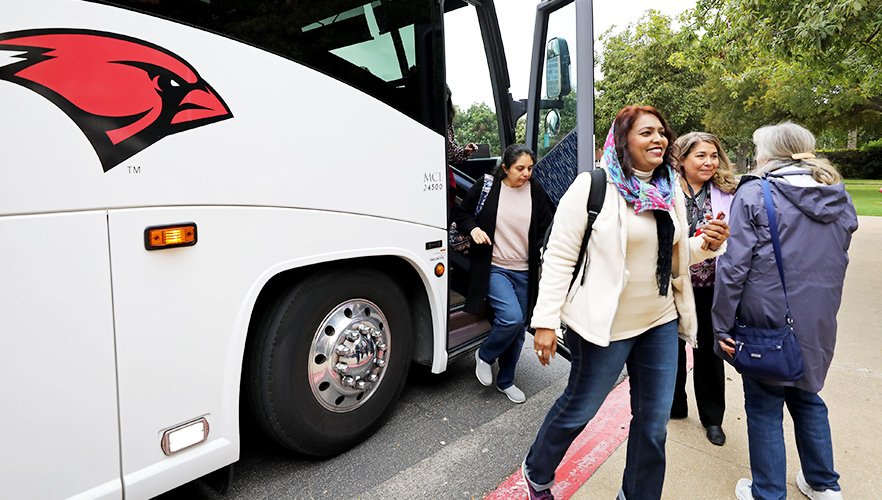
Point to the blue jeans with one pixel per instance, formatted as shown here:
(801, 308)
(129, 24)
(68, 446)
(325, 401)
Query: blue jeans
(651, 358)
(508, 299)
(764, 405)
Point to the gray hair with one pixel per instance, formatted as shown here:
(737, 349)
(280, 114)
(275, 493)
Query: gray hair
(790, 145)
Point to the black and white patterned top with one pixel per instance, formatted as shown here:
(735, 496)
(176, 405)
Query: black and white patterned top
(704, 272)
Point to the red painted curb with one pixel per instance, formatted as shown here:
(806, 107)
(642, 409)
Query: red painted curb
(600, 438)
(595, 444)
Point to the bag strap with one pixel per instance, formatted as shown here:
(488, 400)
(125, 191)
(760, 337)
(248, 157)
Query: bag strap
(595, 202)
(776, 242)
(485, 190)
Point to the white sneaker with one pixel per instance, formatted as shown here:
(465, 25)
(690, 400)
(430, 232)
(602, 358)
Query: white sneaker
(514, 394)
(483, 371)
(814, 494)
(742, 489)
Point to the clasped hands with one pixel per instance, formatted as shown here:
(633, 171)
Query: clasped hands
(714, 233)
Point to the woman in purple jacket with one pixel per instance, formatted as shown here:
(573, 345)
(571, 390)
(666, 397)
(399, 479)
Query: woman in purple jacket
(816, 219)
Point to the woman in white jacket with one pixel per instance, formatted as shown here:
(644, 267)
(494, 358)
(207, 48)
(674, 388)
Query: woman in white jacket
(635, 297)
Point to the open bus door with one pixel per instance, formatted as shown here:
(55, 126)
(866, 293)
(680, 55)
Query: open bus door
(559, 122)
(560, 119)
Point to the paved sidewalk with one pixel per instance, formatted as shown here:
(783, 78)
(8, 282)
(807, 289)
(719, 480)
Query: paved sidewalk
(853, 392)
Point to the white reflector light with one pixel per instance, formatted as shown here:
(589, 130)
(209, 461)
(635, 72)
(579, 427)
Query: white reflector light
(184, 436)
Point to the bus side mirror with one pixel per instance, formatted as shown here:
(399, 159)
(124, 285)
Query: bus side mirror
(557, 74)
(552, 123)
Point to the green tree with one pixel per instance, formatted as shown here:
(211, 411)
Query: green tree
(818, 60)
(477, 124)
(638, 67)
(734, 111)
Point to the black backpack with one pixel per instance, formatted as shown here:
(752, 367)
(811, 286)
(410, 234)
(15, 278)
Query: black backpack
(595, 203)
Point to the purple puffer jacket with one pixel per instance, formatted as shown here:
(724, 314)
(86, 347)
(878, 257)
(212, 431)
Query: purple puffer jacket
(815, 223)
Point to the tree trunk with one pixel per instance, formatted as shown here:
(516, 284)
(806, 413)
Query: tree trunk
(741, 152)
(852, 139)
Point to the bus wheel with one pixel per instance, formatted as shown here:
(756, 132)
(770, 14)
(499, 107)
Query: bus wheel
(330, 359)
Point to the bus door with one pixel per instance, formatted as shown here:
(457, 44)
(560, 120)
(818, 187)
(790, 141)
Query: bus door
(560, 119)
(552, 118)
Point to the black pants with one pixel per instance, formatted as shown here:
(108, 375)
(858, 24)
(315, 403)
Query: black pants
(708, 374)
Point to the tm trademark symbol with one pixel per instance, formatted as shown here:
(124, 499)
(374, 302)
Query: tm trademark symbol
(134, 170)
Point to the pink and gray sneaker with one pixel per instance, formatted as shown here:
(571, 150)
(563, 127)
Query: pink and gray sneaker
(532, 494)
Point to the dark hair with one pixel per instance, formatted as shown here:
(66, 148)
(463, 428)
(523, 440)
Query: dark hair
(622, 126)
(451, 111)
(510, 157)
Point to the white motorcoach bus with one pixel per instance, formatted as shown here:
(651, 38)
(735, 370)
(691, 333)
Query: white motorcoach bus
(209, 206)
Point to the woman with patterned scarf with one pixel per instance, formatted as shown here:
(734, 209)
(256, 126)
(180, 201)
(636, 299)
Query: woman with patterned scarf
(627, 310)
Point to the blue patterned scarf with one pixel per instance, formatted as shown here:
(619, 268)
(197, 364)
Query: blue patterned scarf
(659, 195)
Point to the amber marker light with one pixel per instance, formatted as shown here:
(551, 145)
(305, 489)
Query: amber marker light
(171, 236)
(439, 269)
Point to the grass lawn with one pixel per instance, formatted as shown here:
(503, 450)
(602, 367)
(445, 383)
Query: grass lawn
(866, 196)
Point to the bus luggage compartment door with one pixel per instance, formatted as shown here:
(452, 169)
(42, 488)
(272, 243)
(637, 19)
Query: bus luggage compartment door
(57, 370)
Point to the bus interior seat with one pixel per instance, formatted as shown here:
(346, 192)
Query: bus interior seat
(559, 167)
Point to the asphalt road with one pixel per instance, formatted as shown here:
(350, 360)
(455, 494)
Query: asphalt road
(447, 438)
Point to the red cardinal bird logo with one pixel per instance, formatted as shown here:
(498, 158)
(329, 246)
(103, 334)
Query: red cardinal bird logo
(124, 94)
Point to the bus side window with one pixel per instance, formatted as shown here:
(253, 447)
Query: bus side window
(369, 45)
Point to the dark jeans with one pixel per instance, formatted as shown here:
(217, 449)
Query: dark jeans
(508, 298)
(651, 361)
(764, 405)
(708, 375)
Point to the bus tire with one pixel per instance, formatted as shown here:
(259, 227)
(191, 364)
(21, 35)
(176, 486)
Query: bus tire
(330, 360)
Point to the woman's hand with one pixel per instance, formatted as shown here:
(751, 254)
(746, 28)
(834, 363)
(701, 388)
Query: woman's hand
(470, 148)
(728, 345)
(545, 344)
(714, 232)
(479, 236)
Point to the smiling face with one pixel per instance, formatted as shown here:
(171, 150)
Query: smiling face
(647, 143)
(517, 174)
(701, 163)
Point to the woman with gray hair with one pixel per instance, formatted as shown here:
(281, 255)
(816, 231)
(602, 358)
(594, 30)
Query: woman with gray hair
(813, 211)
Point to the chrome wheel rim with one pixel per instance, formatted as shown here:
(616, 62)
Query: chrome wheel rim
(347, 359)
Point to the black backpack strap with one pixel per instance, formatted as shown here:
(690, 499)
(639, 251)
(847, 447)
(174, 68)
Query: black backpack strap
(595, 203)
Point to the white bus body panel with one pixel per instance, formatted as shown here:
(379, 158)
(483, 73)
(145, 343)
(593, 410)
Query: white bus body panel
(183, 314)
(57, 376)
(292, 141)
